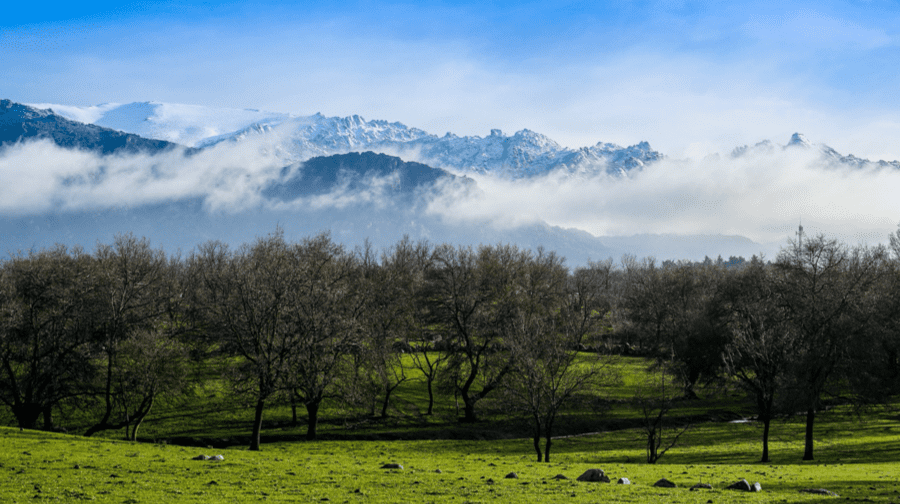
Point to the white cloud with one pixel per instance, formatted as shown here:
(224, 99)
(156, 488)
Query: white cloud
(762, 196)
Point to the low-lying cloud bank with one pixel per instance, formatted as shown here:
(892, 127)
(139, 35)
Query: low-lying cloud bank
(761, 195)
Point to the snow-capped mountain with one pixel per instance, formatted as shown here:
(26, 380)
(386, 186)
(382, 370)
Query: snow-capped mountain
(522, 154)
(296, 139)
(799, 141)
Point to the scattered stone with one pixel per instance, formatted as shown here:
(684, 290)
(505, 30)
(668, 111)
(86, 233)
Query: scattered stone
(756, 487)
(217, 458)
(492, 465)
(200, 457)
(623, 481)
(438, 471)
(512, 475)
(742, 485)
(594, 475)
(698, 486)
(664, 483)
(77, 466)
(819, 491)
(560, 477)
(392, 466)
(213, 482)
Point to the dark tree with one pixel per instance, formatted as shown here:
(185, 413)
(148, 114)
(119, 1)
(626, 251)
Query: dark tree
(390, 318)
(134, 291)
(678, 314)
(149, 365)
(46, 321)
(763, 344)
(656, 399)
(555, 315)
(826, 289)
(324, 321)
(247, 296)
(473, 296)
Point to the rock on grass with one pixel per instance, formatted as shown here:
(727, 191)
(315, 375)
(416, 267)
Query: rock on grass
(594, 475)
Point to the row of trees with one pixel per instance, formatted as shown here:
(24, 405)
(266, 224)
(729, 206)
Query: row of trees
(310, 321)
(819, 321)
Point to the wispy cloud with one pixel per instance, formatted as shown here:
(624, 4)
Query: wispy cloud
(762, 195)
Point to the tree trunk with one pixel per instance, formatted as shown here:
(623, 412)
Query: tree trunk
(104, 424)
(469, 407)
(257, 425)
(430, 397)
(537, 438)
(293, 409)
(651, 447)
(692, 379)
(810, 419)
(548, 433)
(27, 414)
(140, 418)
(312, 410)
(765, 453)
(48, 417)
(387, 401)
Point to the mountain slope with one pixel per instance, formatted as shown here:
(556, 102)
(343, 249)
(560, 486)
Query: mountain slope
(352, 172)
(20, 123)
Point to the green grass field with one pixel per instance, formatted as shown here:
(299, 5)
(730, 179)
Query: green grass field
(856, 457)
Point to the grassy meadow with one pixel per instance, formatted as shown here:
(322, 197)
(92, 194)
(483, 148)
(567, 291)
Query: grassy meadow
(857, 457)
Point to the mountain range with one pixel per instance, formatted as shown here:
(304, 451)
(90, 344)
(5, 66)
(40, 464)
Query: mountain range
(296, 139)
(334, 175)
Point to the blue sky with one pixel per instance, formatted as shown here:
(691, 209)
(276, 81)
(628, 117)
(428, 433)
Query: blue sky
(689, 77)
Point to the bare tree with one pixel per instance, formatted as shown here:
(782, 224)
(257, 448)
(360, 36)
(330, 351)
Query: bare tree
(150, 364)
(555, 315)
(247, 296)
(760, 353)
(326, 308)
(656, 399)
(46, 322)
(472, 294)
(825, 288)
(134, 290)
(873, 367)
(678, 310)
(390, 317)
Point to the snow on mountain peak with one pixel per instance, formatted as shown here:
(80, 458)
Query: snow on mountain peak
(799, 140)
(297, 138)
